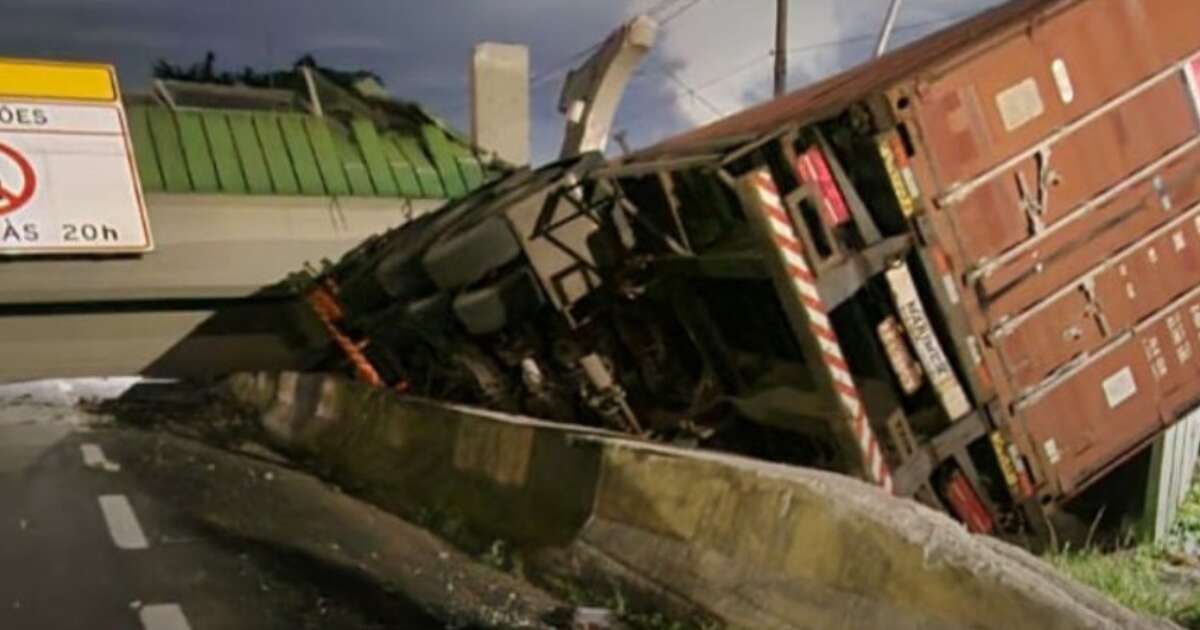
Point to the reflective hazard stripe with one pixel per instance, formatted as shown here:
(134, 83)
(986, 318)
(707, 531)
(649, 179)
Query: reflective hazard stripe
(789, 244)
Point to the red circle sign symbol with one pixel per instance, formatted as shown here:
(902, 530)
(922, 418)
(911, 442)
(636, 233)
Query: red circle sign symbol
(12, 200)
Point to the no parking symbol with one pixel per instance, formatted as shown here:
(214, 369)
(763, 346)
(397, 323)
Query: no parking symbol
(18, 180)
(68, 179)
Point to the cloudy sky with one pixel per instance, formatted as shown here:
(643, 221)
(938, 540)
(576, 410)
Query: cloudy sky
(713, 56)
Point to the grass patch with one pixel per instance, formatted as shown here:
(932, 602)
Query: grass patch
(1133, 577)
(1138, 576)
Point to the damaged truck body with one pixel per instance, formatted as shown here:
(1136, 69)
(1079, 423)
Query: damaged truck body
(968, 272)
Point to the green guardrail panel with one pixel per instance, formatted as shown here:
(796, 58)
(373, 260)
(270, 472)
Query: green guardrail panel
(254, 164)
(355, 167)
(169, 151)
(279, 165)
(224, 152)
(196, 152)
(143, 150)
(443, 157)
(303, 160)
(427, 176)
(329, 161)
(377, 165)
(406, 176)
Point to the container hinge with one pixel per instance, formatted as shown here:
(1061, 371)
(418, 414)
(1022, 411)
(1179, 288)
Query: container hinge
(1000, 330)
(1088, 286)
(982, 269)
(1035, 205)
(1164, 193)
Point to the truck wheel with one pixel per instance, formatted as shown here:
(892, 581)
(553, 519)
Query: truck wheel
(492, 308)
(467, 256)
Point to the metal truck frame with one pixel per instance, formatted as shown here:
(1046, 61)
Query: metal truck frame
(844, 277)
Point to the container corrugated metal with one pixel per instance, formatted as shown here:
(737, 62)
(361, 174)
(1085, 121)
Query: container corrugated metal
(1064, 159)
(1055, 148)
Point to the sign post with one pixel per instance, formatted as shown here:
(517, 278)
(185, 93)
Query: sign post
(68, 182)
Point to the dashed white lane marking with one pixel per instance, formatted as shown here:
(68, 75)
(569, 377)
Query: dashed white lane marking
(94, 458)
(163, 617)
(93, 455)
(122, 522)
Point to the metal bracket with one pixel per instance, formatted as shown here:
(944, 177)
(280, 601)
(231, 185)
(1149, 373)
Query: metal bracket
(840, 282)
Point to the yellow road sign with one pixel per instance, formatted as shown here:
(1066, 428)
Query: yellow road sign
(68, 181)
(57, 80)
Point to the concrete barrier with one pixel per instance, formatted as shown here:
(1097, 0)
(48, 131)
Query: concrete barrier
(704, 535)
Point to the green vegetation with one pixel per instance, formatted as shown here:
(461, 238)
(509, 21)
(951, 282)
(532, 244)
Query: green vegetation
(1160, 580)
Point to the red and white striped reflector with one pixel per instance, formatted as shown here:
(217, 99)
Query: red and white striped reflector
(790, 245)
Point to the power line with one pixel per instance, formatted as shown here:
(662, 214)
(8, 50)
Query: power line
(736, 70)
(659, 9)
(867, 36)
(749, 63)
(688, 89)
(662, 23)
(546, 77)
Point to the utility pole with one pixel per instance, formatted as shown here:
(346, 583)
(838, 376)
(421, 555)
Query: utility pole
(781, 36)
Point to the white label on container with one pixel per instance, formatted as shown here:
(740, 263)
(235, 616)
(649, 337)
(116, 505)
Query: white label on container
(1051, 449)
(976, 353)
(1179, 241)
(1119, 387)
(1062, 79)
(1020, 104)
(951, 290)
(910, 182)
(924, 339)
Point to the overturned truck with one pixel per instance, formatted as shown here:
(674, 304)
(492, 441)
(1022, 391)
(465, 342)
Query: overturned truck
(968, 272)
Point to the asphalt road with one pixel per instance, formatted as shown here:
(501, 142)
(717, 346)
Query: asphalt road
(83, 547)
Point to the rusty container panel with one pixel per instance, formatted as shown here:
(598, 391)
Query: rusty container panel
(1049, 339)
(1044, 189)
(1138, 284)
(1056, 147)
(1085, 421)
(1070, 252)
(1076, 145)
(1092, 417)
(1125, 288)
(996, 102)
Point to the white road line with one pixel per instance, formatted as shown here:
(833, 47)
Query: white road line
(93, 455)
(122, 522)
(163, 617)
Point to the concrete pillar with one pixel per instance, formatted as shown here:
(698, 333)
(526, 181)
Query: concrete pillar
(500, 100)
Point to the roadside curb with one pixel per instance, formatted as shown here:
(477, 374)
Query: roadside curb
(701, 534)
